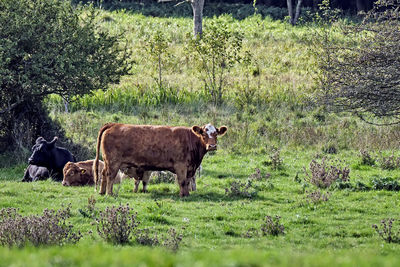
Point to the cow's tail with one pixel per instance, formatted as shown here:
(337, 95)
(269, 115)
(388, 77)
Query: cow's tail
(96, 161)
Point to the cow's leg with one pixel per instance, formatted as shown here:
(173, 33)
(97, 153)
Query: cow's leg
(103, 180)
(110, 176)
(181, 173)
(145, 180)
(137, 182)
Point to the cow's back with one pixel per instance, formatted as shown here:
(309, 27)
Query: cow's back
(147, 147)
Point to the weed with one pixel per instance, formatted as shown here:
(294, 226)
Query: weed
(385, 183)
(116, 224)
(272, 226)
(387, 233)
(390, 162)
(324, 174)
(49, 229)
(90, 210)
(258, 176)
(250, 233)
(242, 189)
(162, 177)
(173, 240)
(366, 158)
(143, 238)
(317, 197)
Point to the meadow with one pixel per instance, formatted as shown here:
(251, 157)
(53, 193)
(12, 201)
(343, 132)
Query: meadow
(275, 131)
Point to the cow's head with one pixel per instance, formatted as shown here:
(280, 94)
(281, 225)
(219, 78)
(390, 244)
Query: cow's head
(75, 175)
(208, 134)
(42, 155)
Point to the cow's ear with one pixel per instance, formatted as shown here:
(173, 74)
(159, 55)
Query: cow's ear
(53, 141)
(197, 130)
(222, 130)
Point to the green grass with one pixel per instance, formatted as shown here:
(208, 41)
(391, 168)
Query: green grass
(336, 232)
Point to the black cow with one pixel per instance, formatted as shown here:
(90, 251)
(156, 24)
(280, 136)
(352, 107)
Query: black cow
(35, 173)
(47, 154)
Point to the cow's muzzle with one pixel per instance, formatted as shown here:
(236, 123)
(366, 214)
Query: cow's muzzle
(64, 183)
(211, 147)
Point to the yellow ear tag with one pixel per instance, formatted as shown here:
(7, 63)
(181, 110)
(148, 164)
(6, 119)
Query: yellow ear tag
(83, 171)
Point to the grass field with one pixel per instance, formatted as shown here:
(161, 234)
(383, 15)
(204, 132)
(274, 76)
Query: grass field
(219, 228)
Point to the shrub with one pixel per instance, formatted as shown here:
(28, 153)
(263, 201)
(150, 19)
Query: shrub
(366, 158)
(276, 160)
(116, 224)
(386, 233)
(49, 229)
(317, 197)
(272, 226)
(385, 183)
(323, 174)
(143, 238)
(173, 240)
(257, 175)
(90, 210)
(239, 189)
(162, 177)
(390, 162)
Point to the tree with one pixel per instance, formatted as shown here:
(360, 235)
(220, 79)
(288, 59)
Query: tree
(216, 53)
(49, 47)
(294, 13)
(362, 73)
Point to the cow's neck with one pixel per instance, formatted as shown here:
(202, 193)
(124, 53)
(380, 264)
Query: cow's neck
(197, 149)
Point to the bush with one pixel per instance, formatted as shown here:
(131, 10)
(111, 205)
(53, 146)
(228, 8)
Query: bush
(324, 174)
(116, 224)
(317, 197)
(173, 240)
(49, 229)
(239, 189)
(390, 162)
(387, 233)
(143, 237)
(385, 183)
(366, 158)
(272, 226)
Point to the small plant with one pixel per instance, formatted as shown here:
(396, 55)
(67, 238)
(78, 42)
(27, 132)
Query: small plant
(390, 162)
(258, 176)
(317, 197)
(239, 189)
(385, 183)
(272, 226)
(386, 232)
(366, 158)
(143, 238)
(250, 233)
(276, 160)
(323, 174)
(49, 229)
(173, 240)
(116, 224)
(162, 177)
(90, 210)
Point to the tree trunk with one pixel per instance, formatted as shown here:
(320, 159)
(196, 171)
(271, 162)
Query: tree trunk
(197, 6)
(294, 17)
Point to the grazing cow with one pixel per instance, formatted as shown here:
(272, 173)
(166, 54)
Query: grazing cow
(81, 173)
(150, 148)
(47, 154)
(35, 173)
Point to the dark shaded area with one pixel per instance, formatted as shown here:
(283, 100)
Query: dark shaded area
(239, 9)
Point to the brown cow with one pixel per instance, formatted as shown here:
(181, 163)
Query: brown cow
(150, 148)
(80, 173)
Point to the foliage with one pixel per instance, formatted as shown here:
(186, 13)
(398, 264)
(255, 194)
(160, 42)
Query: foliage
(216, 52)
(385, 183)
(325, 173)
(144, 238)
(360, 72)
(316, 197)
(50, 47)
(157, 47)
(173, 240)
(386, 232)
(90, 210)
(49, 229)
(117, 224)
(162, 177)
(242, 189)
(272, 226)
(389, 162)
(366, 158)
